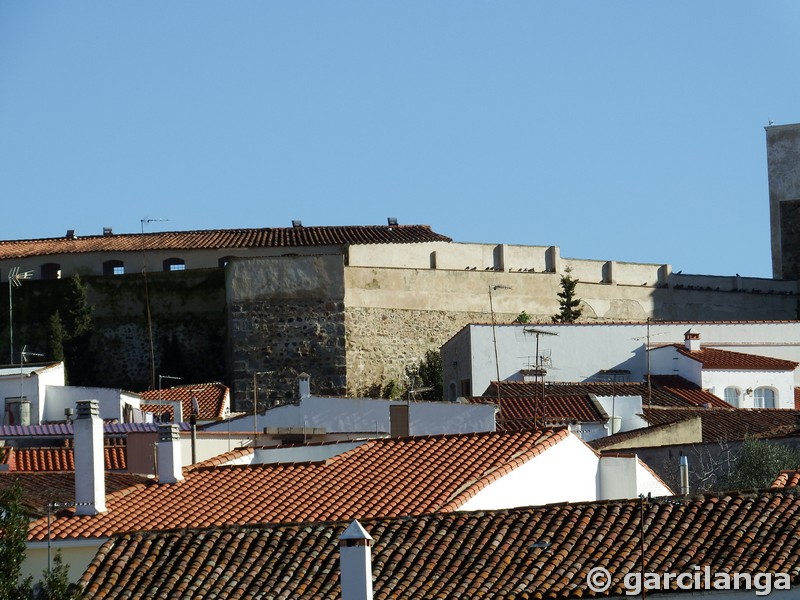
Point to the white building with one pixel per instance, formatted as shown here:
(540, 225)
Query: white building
(581, 351)
(325, 417)
(743, 380)
(35, 394)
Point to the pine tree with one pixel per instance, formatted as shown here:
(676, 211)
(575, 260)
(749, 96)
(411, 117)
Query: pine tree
(569, 311)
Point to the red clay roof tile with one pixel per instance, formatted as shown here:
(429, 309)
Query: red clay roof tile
(399, 476)
(725, 360)
(219, 239)
(58, 459)
(212, 399)
(534, 552)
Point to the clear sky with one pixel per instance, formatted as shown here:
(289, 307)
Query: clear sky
(629, 131)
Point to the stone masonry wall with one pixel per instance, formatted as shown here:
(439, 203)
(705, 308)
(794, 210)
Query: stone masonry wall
(382, 342)
(282, 339)
(286, 316)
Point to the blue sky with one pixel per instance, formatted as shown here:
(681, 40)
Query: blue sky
(629, 131)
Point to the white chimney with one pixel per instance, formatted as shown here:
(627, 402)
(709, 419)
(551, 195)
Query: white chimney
(691, 340)
(90, 483)
(170, 466)
(355, 562)
(304, 385)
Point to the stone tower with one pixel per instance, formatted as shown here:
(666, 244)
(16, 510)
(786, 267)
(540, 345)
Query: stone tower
(783, 168)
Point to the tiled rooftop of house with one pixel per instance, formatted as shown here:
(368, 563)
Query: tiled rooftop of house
(58, 459)
(787, 479)
(65, 429)
(41, 488)
(718, 424)
(523, 412)
(534, 553)
(212, 399)
(218, 239)
(797, 398)
(388, 477)
(725, 360)
(664, 390)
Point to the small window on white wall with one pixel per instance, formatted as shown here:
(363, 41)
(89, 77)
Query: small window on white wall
(764, 398)
(732, 396)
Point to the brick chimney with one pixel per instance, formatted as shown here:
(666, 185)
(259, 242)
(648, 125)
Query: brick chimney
(90, 483)
(691, 340)
(170, 467)
(355, 562)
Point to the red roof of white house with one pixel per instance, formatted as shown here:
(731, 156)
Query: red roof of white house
(725, 360)
(388, 477)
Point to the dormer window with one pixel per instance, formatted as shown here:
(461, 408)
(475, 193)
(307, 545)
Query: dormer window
(174, 264)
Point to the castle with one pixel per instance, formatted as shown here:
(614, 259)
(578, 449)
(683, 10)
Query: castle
(354, 306)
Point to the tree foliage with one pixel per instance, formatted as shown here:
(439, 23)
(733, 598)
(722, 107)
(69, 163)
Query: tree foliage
(427, 373)
(14, 521)
(55, 583)
(13, 537)
(568, 302)
(759, 462)
(70, 333)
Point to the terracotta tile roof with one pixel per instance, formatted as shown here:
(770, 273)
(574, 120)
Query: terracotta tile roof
(65, 429)
(789, 478)
(519, 412)
(533, 552)
(725, 360)
(664, 391)
(718, 424)
(58, 459)
(797, 398)
(220, 239)
(212, 399)
(38, 489)
(400, 476)
(692, 393)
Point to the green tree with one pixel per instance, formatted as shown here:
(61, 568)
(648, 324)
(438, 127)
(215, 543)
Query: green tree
(759, 462)
(55, 583)
(568, 302)
(56, 336)
(77, 332)
(13, 536)
(427, 373)
(523, 317)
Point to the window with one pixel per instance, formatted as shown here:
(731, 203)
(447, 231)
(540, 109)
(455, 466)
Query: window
(764, 398)
(51, 271)
(174, 264)
(732, 396)
(113, 267)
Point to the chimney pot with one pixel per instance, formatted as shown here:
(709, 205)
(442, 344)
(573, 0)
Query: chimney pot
(168, 451)
(691, 340)
(90, 483)
(304, 385)
(355, 549)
